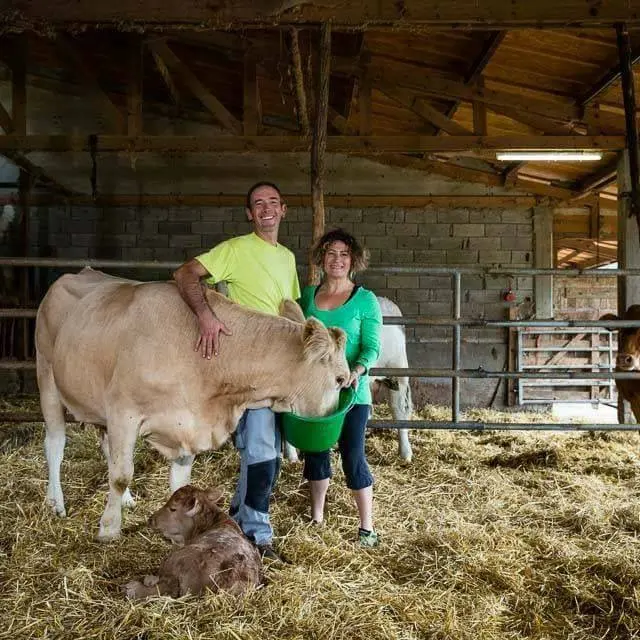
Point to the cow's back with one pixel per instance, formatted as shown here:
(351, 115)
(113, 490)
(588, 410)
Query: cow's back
(393, 351)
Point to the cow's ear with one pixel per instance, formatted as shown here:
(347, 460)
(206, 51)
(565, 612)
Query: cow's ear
(195, 509)
(609, 316)
(339, 336)
(633, 312)
(316, 340)
(292, 311)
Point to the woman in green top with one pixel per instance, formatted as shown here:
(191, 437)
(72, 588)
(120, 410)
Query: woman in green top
(339, 302)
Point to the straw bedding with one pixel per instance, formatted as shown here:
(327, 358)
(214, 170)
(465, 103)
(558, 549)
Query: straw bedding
(490, 535)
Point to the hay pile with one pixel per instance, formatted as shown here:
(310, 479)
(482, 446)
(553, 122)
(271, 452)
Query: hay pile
(484, 536)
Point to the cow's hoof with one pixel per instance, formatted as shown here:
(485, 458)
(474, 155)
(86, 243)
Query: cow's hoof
(133, 590)
(128, 501)
(107, 535)
(57, 508)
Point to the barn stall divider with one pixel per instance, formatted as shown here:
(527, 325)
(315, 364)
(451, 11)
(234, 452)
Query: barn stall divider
(455, 373)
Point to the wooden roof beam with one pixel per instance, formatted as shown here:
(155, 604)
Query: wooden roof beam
(423, 109)
(67, 47)
(609, 78)
(286, 144)
(219, 111)
(598, 180)
(462, 14)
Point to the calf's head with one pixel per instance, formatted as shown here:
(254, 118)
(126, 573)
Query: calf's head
(189, 512)
(628, 358)
(323, 372)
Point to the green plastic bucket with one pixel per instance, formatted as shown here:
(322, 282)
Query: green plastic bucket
(317, 434)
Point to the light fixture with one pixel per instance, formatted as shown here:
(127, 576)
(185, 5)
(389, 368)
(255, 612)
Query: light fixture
(549, 156)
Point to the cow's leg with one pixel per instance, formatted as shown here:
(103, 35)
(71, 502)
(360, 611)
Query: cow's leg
(402, 409)
(180, 474)
(122, 434)
(54, 440)
(290, 452)
(128, 501)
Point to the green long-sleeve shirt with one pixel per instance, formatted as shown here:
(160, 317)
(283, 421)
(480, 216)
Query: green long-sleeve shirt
(361, 319)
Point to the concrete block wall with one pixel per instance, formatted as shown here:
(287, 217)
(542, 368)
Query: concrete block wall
(584, 298)
(394, 236)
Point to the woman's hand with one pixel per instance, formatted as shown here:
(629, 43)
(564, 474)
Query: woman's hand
(354, 377)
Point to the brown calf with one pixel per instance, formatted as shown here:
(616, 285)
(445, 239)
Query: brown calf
(628, 358)
(216, 555)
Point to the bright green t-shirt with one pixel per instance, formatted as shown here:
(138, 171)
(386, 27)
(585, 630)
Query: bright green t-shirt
(361, 319)
(259, 275)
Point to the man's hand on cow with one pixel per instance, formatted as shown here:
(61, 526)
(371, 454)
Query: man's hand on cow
(210, 329)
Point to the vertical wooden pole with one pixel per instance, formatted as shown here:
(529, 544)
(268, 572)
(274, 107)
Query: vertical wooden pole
(301, 94)
(319, 143)
(628, 257)
(543, 258)
(250, 101)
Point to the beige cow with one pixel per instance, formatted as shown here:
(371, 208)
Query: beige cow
(120, 354)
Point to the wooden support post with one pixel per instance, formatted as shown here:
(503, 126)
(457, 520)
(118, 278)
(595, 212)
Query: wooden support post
(19, 86)
(250, 123)
(134, 90)
(24, 188)
(628, 257)
(480, 113)
(319, 143)
(364, 103)
(301, 94)
(543, 258)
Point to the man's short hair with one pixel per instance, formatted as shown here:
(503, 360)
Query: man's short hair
(257, 185)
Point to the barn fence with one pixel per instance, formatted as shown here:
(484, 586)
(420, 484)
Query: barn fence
(455, 373)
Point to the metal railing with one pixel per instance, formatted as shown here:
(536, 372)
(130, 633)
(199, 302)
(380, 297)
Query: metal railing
(456, 322)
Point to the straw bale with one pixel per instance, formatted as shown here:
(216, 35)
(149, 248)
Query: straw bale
(486, 535)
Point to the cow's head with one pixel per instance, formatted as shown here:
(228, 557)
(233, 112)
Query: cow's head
(187, 513)
(628, 358)
(324, 371)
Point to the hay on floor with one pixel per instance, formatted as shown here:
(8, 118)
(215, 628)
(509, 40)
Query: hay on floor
(490, 535)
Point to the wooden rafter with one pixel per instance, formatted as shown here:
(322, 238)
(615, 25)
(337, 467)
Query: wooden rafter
(608, 250)
(134, 90)
(408, 76)
(461, 14)
(166, 76)
(598, 180)
(68, 48)
(335, 144)
(301, 94)
(479, 64)
(609, 78)
(219, 111)
(423, 109)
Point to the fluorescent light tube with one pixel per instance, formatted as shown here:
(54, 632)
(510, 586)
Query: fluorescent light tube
(549, 156)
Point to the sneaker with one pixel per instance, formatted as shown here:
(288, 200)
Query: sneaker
(267, 552)
(367, 538)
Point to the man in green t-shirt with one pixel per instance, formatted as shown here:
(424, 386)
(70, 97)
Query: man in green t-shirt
(260, 274)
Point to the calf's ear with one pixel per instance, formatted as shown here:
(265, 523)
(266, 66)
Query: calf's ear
(215, 496)
(195, 509)
(609, 316)
(316, 341)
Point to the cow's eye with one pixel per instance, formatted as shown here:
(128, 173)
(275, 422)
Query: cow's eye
(340, 380)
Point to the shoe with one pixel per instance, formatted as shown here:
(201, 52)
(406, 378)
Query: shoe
(367, 538)
(267, 552)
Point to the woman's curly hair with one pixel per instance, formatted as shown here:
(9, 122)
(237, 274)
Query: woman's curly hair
(359, 255)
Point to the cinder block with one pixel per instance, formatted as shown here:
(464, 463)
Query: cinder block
(123, 240)
(216, 214)
(468, 230)
(173, 228)
(158, 240)
(500, 230)
(523, 230)
(414, 295)
(435, 282)
(394, 256)
(435, 309)
(421, 216)
(83, 239)
(482, 243)
(462, 257)
(516, 243)
(455, 216)
(208, 226)
(402, 229)
(485, 215)
(468, 281)
(166, 254)
(494, 257)
(373, 281)
(446, 243)
(185, 241)
(403, 282)
(382, 242)
(517, 216)
(137, 253)
(337, 215)
(157, 214)
(431, 257)
(435, 230)
(442, 295)
(521, 257)
(498, 283)
(86, 225)
(210, 240)
(73, 253)
(412, 242)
